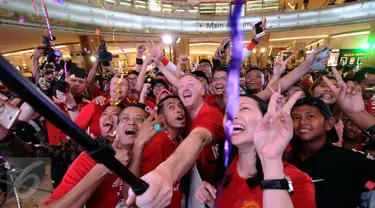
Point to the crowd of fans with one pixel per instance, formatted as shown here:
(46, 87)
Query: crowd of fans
(314, 131)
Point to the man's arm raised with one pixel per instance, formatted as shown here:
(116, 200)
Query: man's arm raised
(161, 180)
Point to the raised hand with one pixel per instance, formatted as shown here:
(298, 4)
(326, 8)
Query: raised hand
(145, 89)
(310, 58)
(159, 193)
(156, 51)
(60, 97)
(182, 60)
(100, 100)
(148, 131)
(148, 61)
(275, 130)
(280, 65)
(141, 48)
(348, 96)
(263, 25)
(205, 193)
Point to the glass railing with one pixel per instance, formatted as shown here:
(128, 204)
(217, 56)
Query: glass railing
(219, 7)
(176, 7)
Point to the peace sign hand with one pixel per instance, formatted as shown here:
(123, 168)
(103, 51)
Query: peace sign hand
(348, 95)
(148, 131)
(280, 65)
(275, 130)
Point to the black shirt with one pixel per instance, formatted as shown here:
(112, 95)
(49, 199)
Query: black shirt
(339, 175)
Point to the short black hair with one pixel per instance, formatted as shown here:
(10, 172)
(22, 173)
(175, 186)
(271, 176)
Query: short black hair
(200, 74)
(138, 105)
(133, 72)
(205, 61)
(161, 102)
(362, 74)
(120, 105)
(218, 70)
(252, 68)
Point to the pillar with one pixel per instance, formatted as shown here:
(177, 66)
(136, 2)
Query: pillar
(91, 43)
(369, 59)
(263, 50)
(181, 48)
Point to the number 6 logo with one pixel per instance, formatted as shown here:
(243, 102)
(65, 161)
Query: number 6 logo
(25, 176)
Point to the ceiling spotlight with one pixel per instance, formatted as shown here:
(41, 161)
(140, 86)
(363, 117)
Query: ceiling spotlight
(167, 39)
(263, 50)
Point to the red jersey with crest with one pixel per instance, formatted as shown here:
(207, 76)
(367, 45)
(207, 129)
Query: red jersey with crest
(237, 194)
(156, 152)
(211, 119)
(105, 195)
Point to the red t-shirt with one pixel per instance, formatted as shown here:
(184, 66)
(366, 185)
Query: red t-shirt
(89, 117)
(211, 100)
(55, 135)
(96, 92)
(105, 195)
(238, 194)
(150, 104)
(156, 152)
(211, 119)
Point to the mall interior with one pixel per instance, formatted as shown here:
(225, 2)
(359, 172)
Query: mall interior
(191, 27)
(194, 28)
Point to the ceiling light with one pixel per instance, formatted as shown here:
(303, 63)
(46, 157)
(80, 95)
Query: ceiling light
(201, 44)
(351, 34)
(263, 50)
(299, 38)
(167, 39)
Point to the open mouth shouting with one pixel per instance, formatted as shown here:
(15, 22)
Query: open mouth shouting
(107, 126)
(131, 131)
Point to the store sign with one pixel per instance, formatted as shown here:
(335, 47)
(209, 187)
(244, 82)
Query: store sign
(220, 25)
(353, 54)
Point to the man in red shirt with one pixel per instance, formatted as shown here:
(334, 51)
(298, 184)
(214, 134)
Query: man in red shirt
(149, 155)
(91, 184)
(90, 114)
(205, 133)
(218, 87)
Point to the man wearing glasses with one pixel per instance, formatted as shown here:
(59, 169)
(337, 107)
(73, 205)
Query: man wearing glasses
(91, 184)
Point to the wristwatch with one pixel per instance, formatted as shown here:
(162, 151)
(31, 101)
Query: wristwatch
(283, 184)
(139, 61)
(369, 131)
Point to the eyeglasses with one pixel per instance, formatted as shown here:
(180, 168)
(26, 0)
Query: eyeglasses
(216, 79)
(159, 86)
(126, 118)
(132, 79)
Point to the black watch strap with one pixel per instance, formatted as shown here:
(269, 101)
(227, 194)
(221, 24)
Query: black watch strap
(255, 41)
(369, 131)
(139, 61)
(281, 184)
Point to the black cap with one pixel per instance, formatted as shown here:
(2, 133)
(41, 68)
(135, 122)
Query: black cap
(205, 61)
(332, 135)
(78, 72)
(201, 74)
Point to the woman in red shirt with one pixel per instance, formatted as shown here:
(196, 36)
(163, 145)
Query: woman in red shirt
(260, 140)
